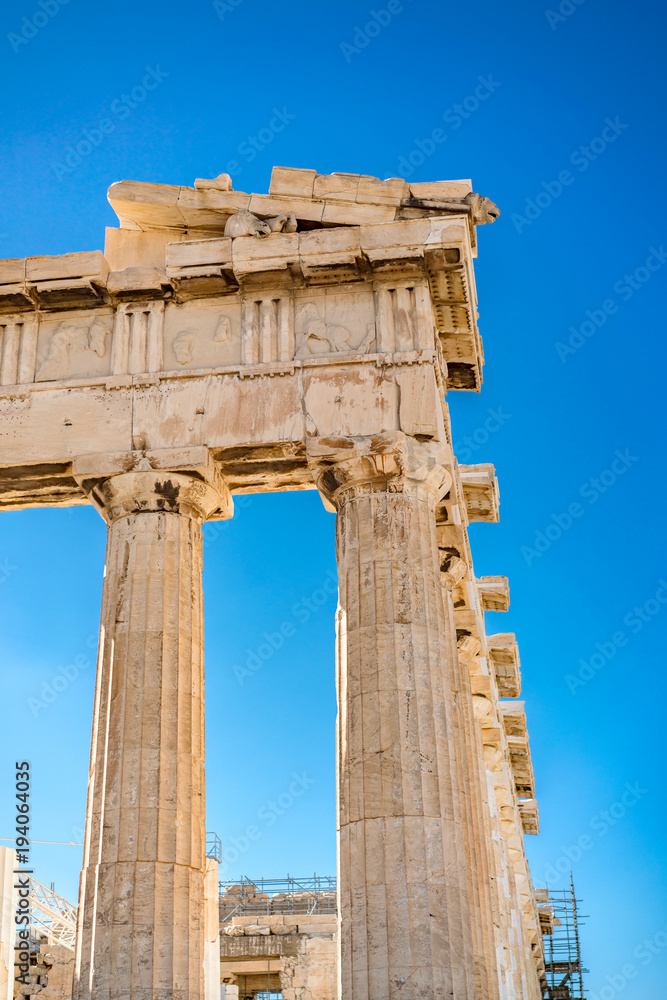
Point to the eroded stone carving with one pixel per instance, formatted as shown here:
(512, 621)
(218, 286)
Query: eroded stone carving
(223, 331)
(184, 346)
(186, 341)
(70, 339)
(244, 223)
(480, 208)
(316, 336)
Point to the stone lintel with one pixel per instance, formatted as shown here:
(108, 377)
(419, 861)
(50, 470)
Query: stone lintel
(255, 426)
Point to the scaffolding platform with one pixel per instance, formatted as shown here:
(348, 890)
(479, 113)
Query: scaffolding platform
(314, 894)
(562, 946)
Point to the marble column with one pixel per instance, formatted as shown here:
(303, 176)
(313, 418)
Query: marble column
(405, 909)
(480, 870)
(141, 931)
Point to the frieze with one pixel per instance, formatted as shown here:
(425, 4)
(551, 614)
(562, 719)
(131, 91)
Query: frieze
(73, 346)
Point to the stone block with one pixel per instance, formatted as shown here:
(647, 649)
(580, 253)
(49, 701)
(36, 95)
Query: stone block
(222, 182)
(146, 206)
(193, 253)
(440, 189)
(376, 192)
(136, 248)
(336, 214)
(336, 187)
(288, 182)
(91, 264)
(395, 234)
(12, 271)
(134, 282)
(265, 205)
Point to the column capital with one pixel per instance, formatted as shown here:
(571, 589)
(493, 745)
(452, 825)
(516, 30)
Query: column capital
(390, 462)
(468, 647)
(452, 569)
(154, 482)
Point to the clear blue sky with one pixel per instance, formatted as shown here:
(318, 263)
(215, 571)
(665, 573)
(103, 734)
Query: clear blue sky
(552, 84)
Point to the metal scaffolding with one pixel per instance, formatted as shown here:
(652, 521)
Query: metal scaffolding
(262, 897)
(51, 915)
(562, 947)
(213, 846)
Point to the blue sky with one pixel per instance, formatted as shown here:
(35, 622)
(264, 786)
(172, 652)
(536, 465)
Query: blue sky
(565, 136)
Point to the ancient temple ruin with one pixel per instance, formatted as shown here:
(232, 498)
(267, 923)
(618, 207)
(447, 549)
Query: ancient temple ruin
(229, 343)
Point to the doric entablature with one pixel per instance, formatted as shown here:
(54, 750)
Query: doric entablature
(243, 305)
(503, 651)
(246, 344)
(494, 593)
(480, 492)
(333, 227)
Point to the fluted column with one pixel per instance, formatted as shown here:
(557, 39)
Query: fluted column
(405, 910)
(460, 685)
(141, 902)
(480, 869)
